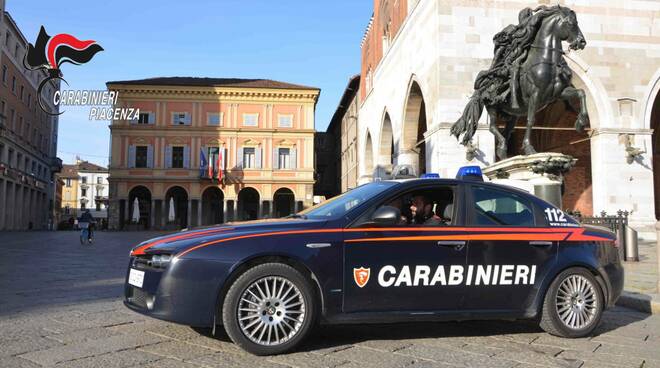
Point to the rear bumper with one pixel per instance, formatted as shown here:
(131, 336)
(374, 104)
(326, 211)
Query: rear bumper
(613, 277)
(185, 292)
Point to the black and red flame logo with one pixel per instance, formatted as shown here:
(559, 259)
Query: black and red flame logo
(50, 53)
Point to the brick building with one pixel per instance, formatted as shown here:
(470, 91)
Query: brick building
(261, 131)
(421, 57)
(28, 137)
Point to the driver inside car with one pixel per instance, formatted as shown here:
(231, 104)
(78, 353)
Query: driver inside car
(421, 209)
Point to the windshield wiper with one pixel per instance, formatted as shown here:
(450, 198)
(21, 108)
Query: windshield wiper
(295, 215)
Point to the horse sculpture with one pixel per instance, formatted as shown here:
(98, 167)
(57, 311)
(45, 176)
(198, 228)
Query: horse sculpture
(527, 74)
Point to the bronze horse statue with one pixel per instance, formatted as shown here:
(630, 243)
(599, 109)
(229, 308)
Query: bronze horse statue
(527, 74)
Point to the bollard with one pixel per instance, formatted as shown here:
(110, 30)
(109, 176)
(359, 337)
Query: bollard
(631, 248)
(621, 238)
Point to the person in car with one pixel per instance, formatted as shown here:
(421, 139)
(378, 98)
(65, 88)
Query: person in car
(422, 211)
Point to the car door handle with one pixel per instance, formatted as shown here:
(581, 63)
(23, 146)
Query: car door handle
(540, 243)
(318, 245)
(456, 244)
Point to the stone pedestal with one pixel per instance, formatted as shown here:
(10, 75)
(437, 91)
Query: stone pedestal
(540, 174)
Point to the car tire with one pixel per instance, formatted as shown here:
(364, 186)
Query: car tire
(290, 310)
(573, 304)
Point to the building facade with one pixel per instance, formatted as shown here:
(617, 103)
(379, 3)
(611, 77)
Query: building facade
(28, 137)
(93, 189)
(69, 177)
(259, 133)
(421, 57)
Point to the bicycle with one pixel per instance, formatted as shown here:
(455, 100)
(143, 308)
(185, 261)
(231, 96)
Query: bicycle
(85, 234)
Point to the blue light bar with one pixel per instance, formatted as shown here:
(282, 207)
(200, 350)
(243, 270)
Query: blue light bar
(470, 173)
(430, 176)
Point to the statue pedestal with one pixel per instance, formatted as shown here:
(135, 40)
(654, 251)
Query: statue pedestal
(540, 174)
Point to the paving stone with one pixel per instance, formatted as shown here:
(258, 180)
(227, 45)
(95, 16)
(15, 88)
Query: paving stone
(601, 357)
(228, 360)
(177, 350)
(16, 362)
(545, 360)
(119, 359)
(82, 335)
(309, 360)
(455, 357)
(375, 358)
(89, 348)
(167, 363)
(25, 344)
(562, 343)
(173, 331)
(385, 345)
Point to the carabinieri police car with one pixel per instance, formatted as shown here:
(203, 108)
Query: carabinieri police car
(389, 251)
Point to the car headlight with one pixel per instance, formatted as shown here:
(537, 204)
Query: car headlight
(160, 260)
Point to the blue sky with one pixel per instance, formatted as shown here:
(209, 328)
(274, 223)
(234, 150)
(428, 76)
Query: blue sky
(314, 43)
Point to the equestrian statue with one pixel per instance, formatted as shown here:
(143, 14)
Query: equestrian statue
(528, 72)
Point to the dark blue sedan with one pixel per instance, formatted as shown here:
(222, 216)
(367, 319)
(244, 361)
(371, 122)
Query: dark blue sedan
(388, 251)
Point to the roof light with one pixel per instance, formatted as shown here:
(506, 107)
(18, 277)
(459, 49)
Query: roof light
(470, 173)
(430, 176)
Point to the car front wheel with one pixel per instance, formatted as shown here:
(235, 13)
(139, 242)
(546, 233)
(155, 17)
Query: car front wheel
(573, 304)
(269, 309)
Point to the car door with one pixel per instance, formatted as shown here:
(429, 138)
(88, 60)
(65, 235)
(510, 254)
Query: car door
(509, 251)
(404, 268)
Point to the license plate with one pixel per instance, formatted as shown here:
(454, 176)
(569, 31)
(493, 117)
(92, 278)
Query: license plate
(136, 278)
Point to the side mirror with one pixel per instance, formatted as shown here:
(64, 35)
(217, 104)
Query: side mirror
(386, 216)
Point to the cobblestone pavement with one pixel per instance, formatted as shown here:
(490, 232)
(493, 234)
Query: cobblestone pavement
(642, 276)
(60, 305)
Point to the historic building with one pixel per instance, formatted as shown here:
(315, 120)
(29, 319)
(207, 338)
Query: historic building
(257, 135)
(336, 160)
(421, 57)
(85, 187)
(70, 204)
(28, 137)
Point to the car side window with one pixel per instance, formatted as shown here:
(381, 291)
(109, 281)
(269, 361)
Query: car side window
(500, 208)
(422, 207)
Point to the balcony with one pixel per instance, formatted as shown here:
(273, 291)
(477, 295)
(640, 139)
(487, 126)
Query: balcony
(56, 165)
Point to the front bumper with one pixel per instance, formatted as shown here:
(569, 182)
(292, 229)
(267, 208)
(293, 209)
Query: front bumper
(185, 292)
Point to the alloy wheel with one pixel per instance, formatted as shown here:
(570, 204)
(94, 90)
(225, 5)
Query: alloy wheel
(577, 302)
(271, 311)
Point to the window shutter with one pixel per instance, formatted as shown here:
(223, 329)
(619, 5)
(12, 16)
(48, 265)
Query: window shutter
(186, 157)
(293, 159)
(187, 119)
(276, 159)
(223, 162)
(239, 159)
(168, 156)
(173, 117)
(152, 118)
(257, 157)
(150, 156)
(131, 156)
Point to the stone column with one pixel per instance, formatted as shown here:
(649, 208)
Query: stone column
(272, 208)
(261, 209)
(127, 211)
(657, 251)
(234, 215)
(189, 213)
(165, 212)
(199, 212)
(224, 211)
(152, 214)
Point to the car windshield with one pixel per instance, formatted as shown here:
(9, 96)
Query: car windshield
(341, 204)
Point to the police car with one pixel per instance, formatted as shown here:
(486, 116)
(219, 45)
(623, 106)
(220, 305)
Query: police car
(426, 249)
